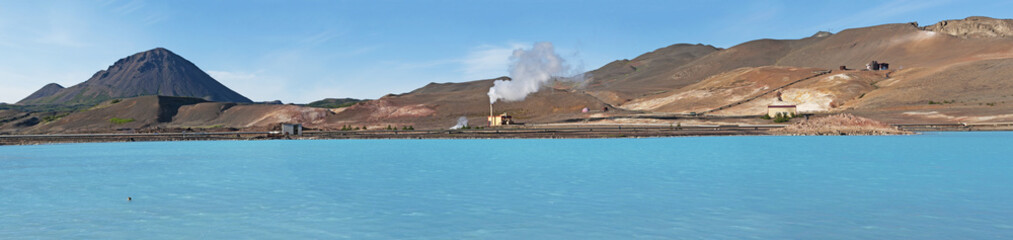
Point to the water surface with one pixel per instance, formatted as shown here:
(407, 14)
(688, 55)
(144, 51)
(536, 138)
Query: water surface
(930, 186)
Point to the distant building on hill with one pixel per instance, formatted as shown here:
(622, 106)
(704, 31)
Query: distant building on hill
(876, 66)
(782, 107)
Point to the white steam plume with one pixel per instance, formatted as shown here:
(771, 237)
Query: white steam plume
(461, 123)
(529, 70)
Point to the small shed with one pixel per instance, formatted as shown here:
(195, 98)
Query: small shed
(291, 129)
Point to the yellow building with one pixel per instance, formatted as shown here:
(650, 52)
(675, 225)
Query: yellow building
(502, 119)
(781, 107)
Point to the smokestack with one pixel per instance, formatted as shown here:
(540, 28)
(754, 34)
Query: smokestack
(490, 114)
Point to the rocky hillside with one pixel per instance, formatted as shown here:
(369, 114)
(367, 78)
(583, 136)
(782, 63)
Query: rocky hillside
(975, 27)
(950, 71)
(153, 72)
(839, 124)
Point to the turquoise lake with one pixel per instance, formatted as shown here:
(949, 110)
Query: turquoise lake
(928, 186)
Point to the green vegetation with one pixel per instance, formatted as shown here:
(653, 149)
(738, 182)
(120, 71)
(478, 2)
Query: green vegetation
(115, 101)
(205, 127)
(116, 120)
(44, 108)
(943, 102)
(351, 128)
(675, 126)
(81, 99)
(782, 118)
(54, 117)
(766, 117)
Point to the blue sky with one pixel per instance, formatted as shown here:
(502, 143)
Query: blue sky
(300, 51)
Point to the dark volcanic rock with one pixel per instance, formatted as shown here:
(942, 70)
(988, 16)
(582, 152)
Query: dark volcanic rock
(28, 122)
(154, 72)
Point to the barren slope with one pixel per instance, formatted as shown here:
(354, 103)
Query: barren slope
(665, 78)
(722, 89)
(901, 45)
(247, 116)
(646, 73)
(439, 106)
(979, 91)
(131, 113)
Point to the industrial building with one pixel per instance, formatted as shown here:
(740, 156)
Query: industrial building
(502, 119)
(782, 107)
(291, 129)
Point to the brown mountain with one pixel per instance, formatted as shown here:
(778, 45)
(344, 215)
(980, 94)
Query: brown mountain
(959, 63)
(153, 72)
(650, 72)
(45, 91)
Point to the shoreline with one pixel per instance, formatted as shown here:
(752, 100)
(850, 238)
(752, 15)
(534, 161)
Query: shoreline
(494, 133)
(513, 133)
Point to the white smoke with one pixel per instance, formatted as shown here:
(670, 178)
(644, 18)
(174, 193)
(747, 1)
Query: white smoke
(461, 123)
(529, 70)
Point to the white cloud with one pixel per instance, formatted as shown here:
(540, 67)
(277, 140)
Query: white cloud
(129, 7)
(254, 85)
(488, 61)
(61, 38)
(319, 38)
(231, 76)
(154, 18)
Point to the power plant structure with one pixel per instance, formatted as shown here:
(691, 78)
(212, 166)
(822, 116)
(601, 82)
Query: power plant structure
(500, 120)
